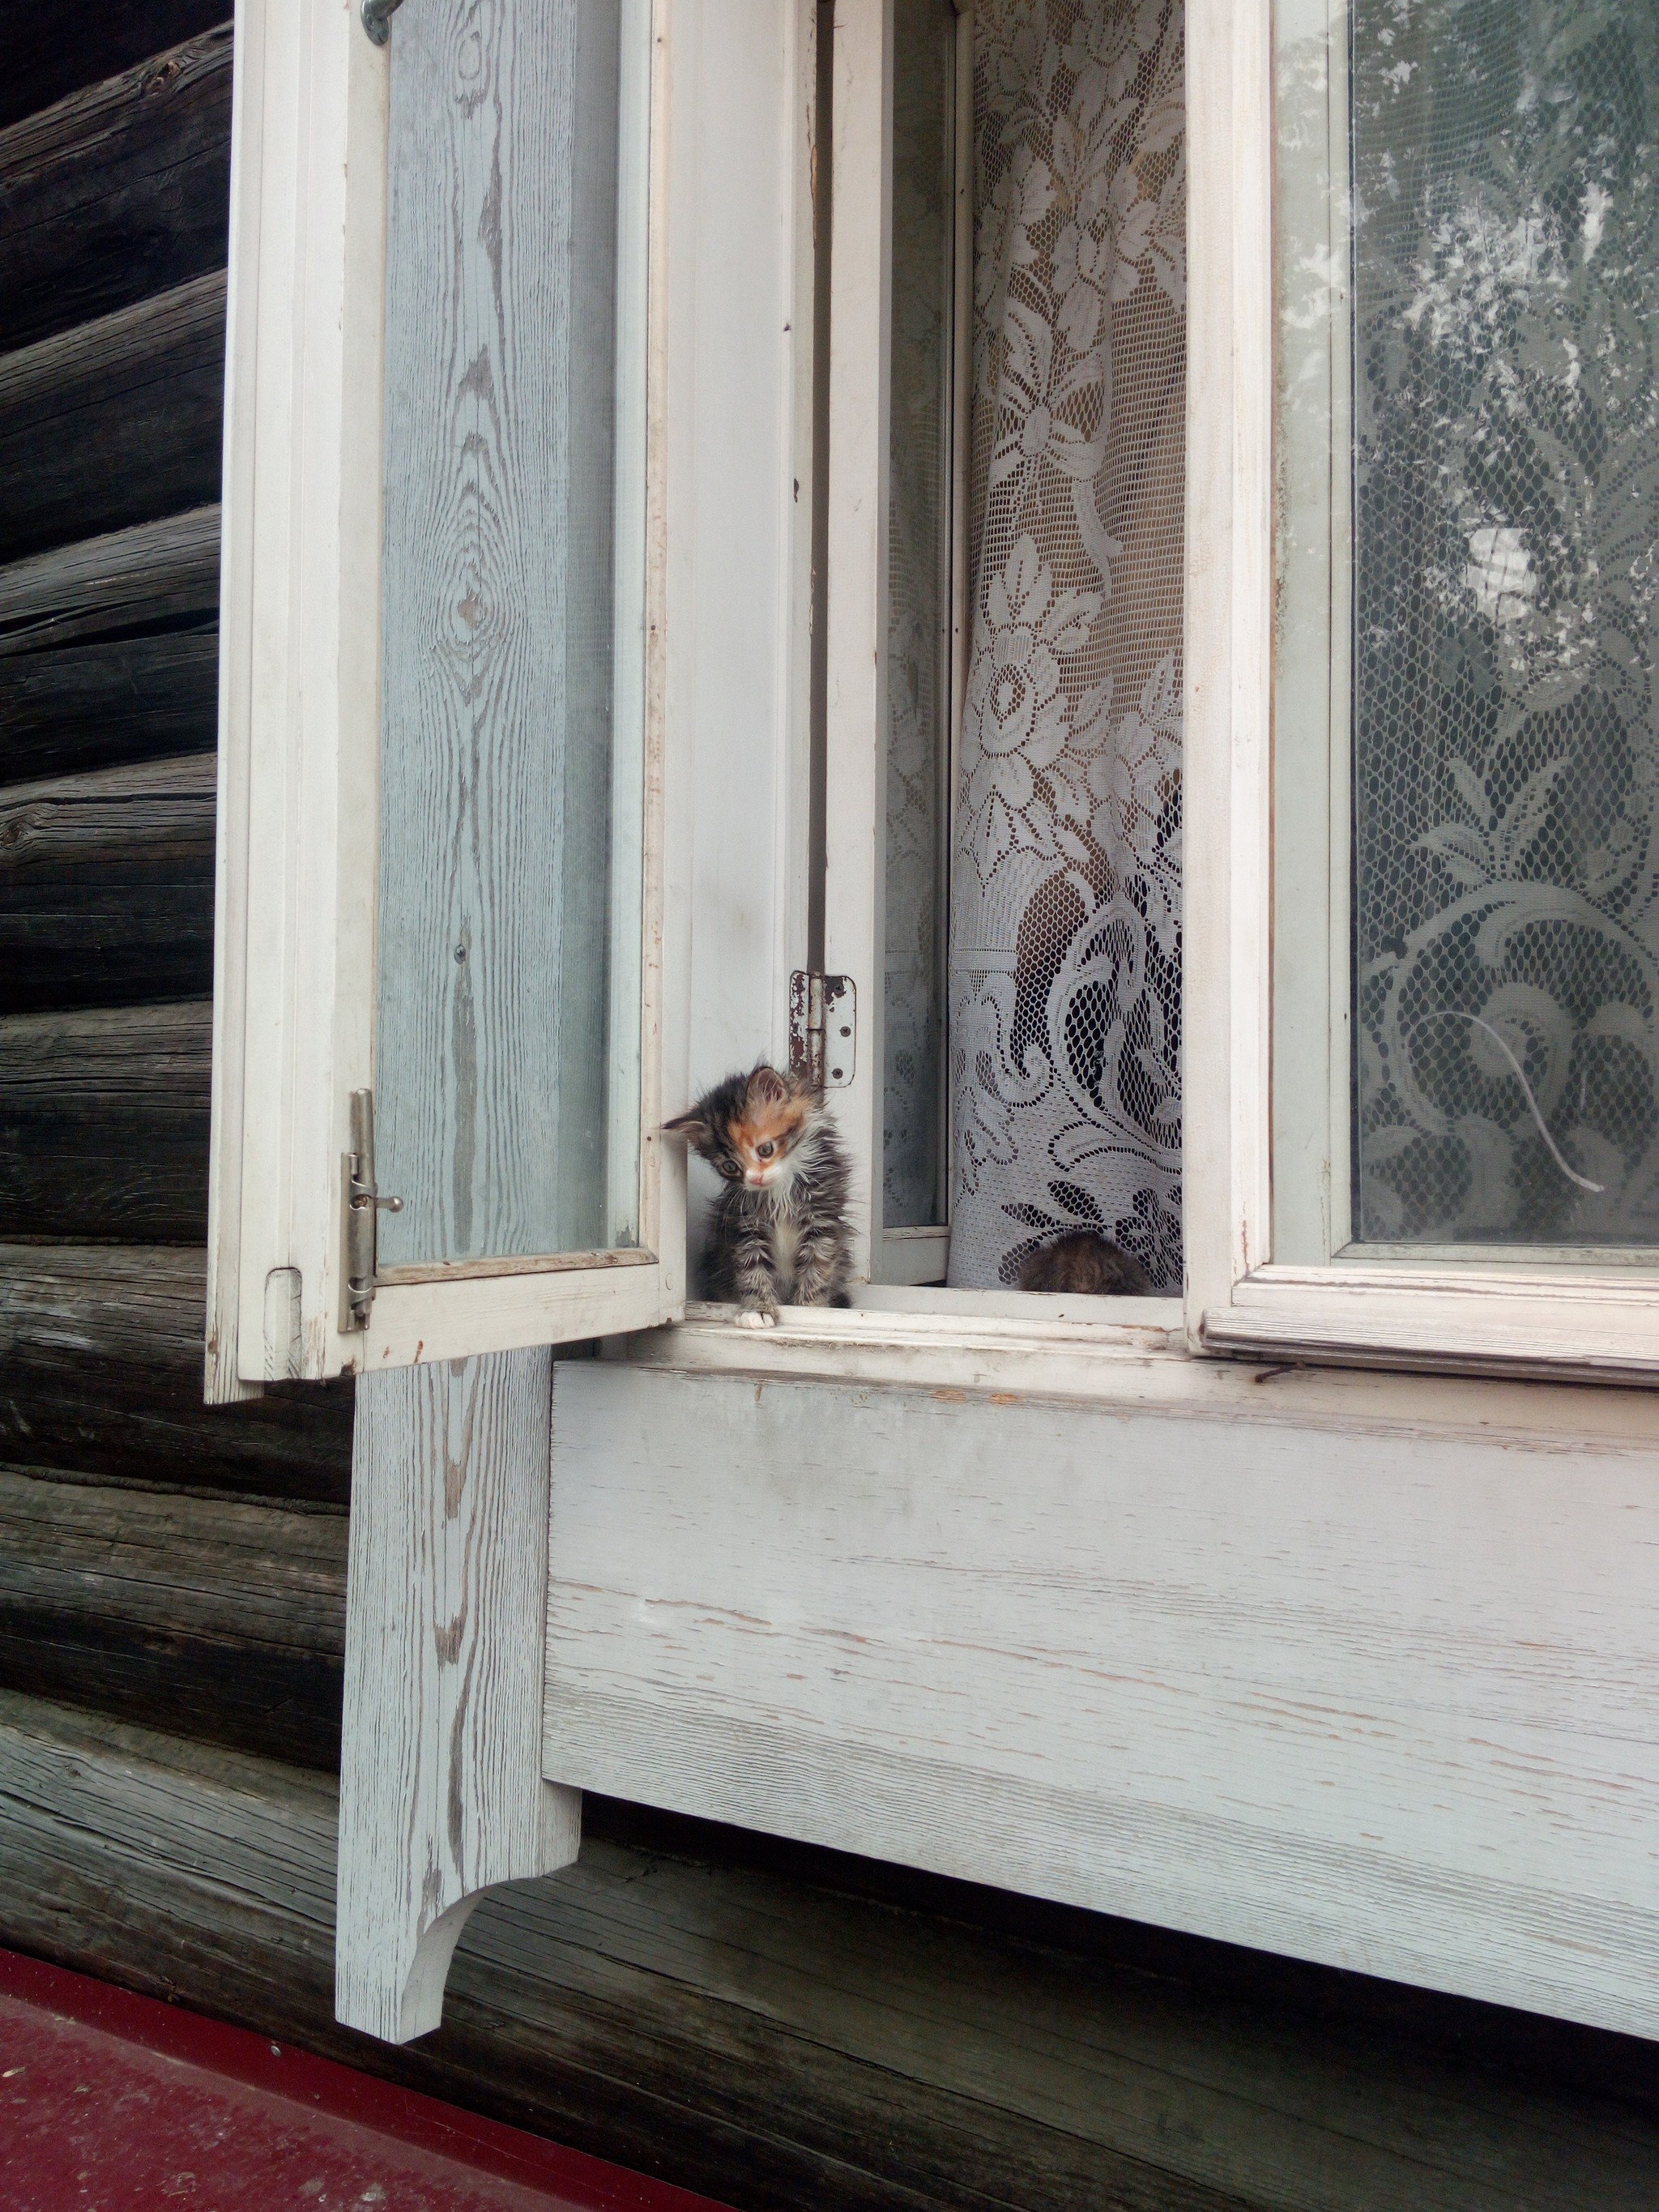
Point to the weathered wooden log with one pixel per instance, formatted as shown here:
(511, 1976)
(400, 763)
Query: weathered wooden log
(43, 66)
(114, 422)
(155, 573)
(104, 1123)
(780, 2036)
(107, 886)
(90, 706)
(118, 192)
(101, 1375)
(206, 1616)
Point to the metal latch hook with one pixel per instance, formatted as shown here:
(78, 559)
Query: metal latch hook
(364, 1204)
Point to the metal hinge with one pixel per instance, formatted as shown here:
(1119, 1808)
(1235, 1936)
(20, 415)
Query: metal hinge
(823, 1028)
(376, 19)
(361, 1210)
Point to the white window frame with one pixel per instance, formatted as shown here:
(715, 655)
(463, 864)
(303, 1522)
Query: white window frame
(855, 796)
(299, 752)
(300, 736)
(1568, 1316)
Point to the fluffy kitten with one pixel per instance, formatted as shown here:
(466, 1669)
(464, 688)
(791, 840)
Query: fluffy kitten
(1083, 1261)
(778, 1235)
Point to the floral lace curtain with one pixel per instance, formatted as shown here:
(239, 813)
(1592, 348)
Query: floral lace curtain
(1065, 959)
(1506, 382)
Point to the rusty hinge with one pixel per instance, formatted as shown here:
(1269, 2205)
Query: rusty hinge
(362, 1205)
(823, 1028)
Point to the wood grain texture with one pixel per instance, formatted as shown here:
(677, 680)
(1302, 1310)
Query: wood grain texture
(107, 886)
(1380, 1700)
(101, 1375)
(114, 422)
(213, 1618)
(43, 66)
(787, 2028)
(491, 1051)
(153, 573)
(91, 706)
(116, 192)
(104, 1123)
(440, 1789)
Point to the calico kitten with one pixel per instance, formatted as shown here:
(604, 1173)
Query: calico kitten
(778, 1235)
(1083, 1261)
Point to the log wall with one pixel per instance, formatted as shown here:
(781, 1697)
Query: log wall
(780, 2026)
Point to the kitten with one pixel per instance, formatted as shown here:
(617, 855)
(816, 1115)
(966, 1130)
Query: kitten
(778, 1235)
(1083, 1261)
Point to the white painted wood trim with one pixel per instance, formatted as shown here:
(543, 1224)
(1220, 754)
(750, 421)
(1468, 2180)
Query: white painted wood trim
(1473, 1318)
(299, 735)
(1370, 1692)
(414, 1322)
(1223, 1009)
(914, 1255)
(440, 1789)
(855, 872)
(794, 708)
(1103, 1352)
(299, 675)
(855, 933)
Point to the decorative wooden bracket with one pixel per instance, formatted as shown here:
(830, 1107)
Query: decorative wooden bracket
(441, 1793)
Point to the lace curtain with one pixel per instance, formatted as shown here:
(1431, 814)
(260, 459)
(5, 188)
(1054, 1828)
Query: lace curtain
(1506, 384)
(1065, 959)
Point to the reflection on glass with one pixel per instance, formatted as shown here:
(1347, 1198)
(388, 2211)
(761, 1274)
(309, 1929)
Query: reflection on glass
(1505, 738)
(919, 609)
(507, 1073)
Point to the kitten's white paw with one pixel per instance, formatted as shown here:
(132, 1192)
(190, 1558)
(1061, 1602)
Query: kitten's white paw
(748, 1318)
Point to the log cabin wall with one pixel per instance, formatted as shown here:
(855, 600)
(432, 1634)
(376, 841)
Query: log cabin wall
(780, 2026)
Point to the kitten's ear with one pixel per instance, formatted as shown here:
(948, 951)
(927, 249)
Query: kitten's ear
(767, 1086)
(691, 1126)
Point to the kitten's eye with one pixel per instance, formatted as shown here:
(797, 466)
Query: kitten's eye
(729, 1169)
(765, 1152)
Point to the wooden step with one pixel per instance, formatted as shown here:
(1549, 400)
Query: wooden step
(233, 2118)
(778, 2037)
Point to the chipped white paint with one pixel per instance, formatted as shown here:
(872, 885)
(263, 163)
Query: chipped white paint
(440, 1793)
(1378, 1691)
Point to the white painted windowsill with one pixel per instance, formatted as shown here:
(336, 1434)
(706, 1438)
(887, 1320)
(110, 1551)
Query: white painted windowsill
(1128, 1354)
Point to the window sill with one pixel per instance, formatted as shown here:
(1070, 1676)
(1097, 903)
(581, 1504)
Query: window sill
(1561, 1325)
(1125, 1365)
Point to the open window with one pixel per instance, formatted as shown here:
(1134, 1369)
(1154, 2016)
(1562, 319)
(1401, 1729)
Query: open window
(1006, 432)
(438, 998)
(1423, 739)
(1235, 751)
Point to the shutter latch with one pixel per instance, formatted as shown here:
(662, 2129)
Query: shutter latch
(361, 1208)
(823, 1028)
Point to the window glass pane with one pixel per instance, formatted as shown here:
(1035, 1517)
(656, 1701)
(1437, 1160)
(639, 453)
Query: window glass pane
(1505, 562)
(506, 1074)
(920, 511)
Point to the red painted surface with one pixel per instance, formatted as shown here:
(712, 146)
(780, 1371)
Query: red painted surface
(110, 2102)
